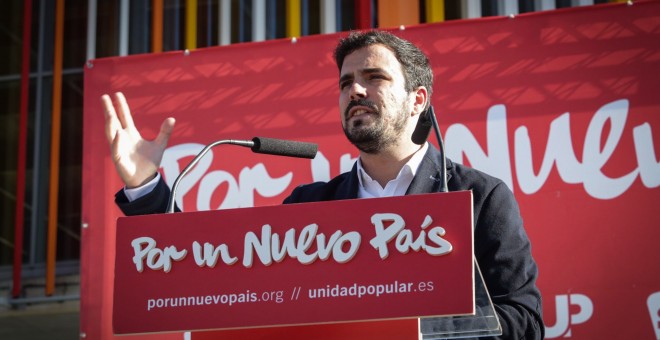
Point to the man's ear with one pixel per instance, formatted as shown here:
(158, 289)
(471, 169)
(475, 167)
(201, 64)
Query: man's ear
(420, 100)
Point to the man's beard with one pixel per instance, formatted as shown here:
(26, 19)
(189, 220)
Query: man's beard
(382, 133)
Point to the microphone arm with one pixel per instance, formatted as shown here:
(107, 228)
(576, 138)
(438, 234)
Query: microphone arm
(258, 145)
(441, 145)
(420, 135)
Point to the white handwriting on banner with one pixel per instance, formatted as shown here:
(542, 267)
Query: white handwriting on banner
(460, 141)
(405, 241)
(208, 254)
(144, 248)
(269, 248)
(240, 193)
(653, 304)
(321, 166)
(564, 317)
(305, 245)
(559, 151)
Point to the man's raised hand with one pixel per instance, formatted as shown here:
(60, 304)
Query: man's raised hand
(137, 160)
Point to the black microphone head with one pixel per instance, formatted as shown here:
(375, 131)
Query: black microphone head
(423, 127)
(284, 147)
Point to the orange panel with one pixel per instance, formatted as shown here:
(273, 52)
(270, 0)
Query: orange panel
(157, 26)
(51, 243)
(393, 13)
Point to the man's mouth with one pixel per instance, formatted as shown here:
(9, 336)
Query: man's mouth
(360, 107)
(358, 112)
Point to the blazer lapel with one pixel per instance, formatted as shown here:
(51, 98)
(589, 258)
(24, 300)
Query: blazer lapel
(427, 179)
(349, 189)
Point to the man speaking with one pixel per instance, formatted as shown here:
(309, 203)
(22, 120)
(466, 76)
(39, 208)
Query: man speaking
(385, 85)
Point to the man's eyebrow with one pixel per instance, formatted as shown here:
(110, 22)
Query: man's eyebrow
(345, 77)
(349, 76)
(373, 70)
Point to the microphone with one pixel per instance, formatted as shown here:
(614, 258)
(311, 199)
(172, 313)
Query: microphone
(423, 127)
(421, 134)
(270, 146)
(282, 147)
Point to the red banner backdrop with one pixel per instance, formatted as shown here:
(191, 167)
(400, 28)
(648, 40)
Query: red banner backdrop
(561, 105)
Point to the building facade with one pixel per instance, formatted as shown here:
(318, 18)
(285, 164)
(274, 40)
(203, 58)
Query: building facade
(46, 45)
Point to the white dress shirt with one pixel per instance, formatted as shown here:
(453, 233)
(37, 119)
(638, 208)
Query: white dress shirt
(370, 188)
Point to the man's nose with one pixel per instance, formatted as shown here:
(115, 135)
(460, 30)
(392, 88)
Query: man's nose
(357, 91)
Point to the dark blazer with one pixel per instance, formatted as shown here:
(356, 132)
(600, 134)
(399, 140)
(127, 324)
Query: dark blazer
(501, 245)
(502, 248)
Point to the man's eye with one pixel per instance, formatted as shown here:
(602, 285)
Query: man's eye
(344, 84)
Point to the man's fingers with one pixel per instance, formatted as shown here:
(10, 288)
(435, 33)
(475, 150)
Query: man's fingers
(165, 131)
(114, 147)
(111, 122)
(124, 112)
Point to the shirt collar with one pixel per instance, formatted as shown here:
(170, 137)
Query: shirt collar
(370, 188)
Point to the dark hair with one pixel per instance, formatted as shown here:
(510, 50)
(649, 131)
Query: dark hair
(414, 63)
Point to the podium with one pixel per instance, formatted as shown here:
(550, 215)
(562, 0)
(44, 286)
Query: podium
(325, 263)
(484, 322)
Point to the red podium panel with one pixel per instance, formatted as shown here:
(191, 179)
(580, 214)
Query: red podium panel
(326, 262)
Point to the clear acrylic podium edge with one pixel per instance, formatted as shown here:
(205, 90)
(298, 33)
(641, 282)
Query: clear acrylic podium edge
(483, 323)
